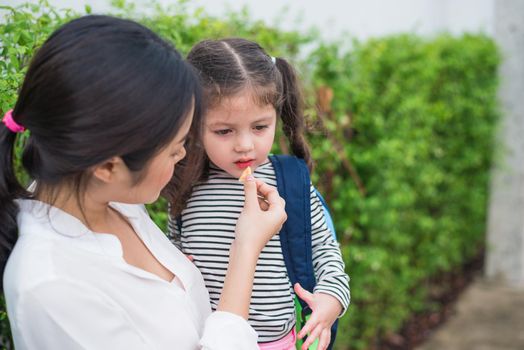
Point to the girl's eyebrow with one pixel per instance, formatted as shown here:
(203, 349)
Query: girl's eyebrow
(219, 123)
(227, 125)
(263, 119)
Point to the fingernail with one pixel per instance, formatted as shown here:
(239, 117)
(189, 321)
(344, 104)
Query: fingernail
(250, 178)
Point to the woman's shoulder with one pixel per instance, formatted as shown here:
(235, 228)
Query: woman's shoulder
(29, 264)
(35, 244)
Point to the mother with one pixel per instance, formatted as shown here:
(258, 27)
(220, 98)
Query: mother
(109, 105)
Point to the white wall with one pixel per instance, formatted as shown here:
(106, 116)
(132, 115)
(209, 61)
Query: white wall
(357, 18)
(505, 254)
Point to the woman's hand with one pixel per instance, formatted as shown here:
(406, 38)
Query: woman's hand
(262, 217)
(325, 311)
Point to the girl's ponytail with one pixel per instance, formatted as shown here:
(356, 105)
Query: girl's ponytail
(10, 189)
(292, 112)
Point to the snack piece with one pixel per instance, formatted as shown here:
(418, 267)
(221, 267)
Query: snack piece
(247, 171)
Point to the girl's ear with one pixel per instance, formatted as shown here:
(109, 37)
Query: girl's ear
(109, 170)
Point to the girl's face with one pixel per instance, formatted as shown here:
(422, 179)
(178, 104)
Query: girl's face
(239, 133)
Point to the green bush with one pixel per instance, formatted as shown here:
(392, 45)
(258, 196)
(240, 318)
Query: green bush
(402, 149)
(420, 134)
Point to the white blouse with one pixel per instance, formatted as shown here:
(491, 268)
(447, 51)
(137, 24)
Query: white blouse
(69, 288)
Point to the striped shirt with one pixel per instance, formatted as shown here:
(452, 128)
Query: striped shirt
(208, 229)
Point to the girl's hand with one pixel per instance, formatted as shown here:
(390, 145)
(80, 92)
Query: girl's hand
(325, 311)
(262, 217)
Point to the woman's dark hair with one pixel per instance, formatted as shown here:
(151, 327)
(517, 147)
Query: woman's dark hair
(99, 87)
(229, 66)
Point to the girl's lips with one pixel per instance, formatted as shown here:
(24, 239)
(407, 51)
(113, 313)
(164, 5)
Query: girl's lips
(243, 165)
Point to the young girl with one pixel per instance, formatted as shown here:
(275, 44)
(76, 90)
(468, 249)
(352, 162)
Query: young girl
(245, 93)
(108, 107)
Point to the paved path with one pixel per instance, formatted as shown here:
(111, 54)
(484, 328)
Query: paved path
(488, 316)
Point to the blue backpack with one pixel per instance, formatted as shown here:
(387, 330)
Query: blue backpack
(293, 184)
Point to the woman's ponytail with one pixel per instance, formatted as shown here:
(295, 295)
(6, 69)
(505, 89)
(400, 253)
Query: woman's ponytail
(10, 189)
(292, 112)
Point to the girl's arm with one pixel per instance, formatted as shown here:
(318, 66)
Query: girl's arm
(331, 294)
(327, 258)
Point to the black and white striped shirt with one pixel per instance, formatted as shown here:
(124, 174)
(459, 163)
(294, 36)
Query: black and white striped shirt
(208, 229)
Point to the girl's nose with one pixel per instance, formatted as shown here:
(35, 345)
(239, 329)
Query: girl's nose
(244, 143)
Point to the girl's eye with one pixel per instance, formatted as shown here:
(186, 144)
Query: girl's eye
(261, 127)
(222, 131)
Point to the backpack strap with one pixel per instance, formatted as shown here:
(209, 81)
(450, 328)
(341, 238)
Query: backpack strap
(327, 215)
(293, 184)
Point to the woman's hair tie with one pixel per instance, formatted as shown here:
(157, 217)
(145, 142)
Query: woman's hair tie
(10, 122)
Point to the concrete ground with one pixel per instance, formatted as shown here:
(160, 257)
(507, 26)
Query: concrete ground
(488, 316)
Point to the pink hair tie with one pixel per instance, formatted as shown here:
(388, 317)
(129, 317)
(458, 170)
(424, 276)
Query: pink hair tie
(10, 122)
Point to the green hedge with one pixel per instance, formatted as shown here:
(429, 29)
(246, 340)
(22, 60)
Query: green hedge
(402, 134)
(420, 135)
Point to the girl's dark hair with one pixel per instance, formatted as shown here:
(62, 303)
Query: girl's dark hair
(99, 87)
(229, 66)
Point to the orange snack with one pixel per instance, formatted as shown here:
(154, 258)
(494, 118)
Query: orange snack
(247, 171)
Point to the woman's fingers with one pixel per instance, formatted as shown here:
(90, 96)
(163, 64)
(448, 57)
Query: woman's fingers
(269, 193)
(250, 192)
(263, 203)
(262, 216)
(273, 202)
(266, 195)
